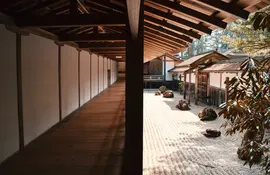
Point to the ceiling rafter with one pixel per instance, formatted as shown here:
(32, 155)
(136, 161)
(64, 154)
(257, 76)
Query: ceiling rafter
(72, 20)
(170, 16)
(172, 27)
(225, 7)
(93, 37)
(176, 7)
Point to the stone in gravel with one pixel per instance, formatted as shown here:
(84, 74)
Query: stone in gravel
(168, 94)
(211, 133)
(207, 114)
(183, 105)
(162, 89)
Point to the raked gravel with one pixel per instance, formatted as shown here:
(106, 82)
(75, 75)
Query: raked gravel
(174, 144)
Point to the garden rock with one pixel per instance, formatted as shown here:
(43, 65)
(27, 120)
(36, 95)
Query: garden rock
(207, 114)
(168, 94)
(183, 105)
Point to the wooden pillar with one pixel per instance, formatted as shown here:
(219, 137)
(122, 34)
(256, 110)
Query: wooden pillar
(208, 88)
(133, 152)
(164, 67)
(59, 78)
(220, 88)
(196, 85)
(227, 89)
(79, 77)
(189, 86)
(19, 90)
(184, 85)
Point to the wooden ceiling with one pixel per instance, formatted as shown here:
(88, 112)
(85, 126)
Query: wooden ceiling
(99, 25)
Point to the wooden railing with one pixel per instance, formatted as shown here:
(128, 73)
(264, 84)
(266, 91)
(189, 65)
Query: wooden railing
(153, 77)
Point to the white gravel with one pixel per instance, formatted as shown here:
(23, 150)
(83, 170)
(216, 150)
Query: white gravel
(174, 145)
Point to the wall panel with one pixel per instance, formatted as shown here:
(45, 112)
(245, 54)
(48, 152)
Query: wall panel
(230, 75)
(214, 79)
(105, 73)
(101, 73)
(84, 77)
(94, 75)
(69, 80)
(9, 134)
(39, 85)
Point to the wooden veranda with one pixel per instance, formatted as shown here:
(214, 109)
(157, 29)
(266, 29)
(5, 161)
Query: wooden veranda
(134, 31)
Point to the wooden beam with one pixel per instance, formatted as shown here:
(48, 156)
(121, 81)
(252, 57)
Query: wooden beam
(173, 18)
(158, 44)
(71, 20)
(103, 45)
(171, 27)
(166, 37)
(133, 15)
(93, 37)
(108, 5)
(73, 7)
(161, 40)
(176, 7)
(225, 7)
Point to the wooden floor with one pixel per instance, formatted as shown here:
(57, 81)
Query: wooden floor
(89, 143)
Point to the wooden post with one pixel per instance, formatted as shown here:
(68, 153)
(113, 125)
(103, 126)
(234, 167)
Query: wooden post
(164, 66)
(220, 88)
(184, 85)
(19, 90)
(133, 151)
(196, 85)
(227, 89)
(189, 86)
(208, 88)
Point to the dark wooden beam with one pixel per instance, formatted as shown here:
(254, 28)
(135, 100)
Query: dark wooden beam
(93, 37)
(169, 37)
(133, 151)
(108, 5)
(103, 45)
(176, 7)
(109, 49)
(173, 18)
(146, 40)
(38, 6)
(225, 7)
(172, 27)
(72, 20)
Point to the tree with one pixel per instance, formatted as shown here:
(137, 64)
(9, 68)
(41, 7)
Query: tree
(248, 107)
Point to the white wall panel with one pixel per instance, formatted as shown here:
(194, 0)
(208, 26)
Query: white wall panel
(39, 85)
(169, 65)
(101, 74)
(69, 80)
(84, 77)
(215, 79)
(9, 134)
(193, 77)
(105, 73)
(94, 75)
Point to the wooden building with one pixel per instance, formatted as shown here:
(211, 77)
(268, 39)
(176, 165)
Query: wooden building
(58, 71)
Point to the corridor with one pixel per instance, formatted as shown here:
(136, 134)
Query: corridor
(90, 142)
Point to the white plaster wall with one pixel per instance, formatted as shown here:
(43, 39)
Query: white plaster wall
(214, 79)
(84, 77)
(193, 77)
(112, 72)
(105, 73)
(39, 85)
(69, 80)
(9, 134)
(101, 73)
(94, 75)
(169, 65)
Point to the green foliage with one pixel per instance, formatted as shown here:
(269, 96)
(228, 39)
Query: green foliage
(249, 106)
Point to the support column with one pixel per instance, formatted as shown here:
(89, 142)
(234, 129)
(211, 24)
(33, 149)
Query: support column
(220, 88)
(208, 89)
(164, 68)
(227, 89)
(184, 85)
(133, 152)
(196, 85)
(19, 90)
(189, 86)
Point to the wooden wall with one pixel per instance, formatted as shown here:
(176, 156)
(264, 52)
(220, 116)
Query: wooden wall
(42, 80)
